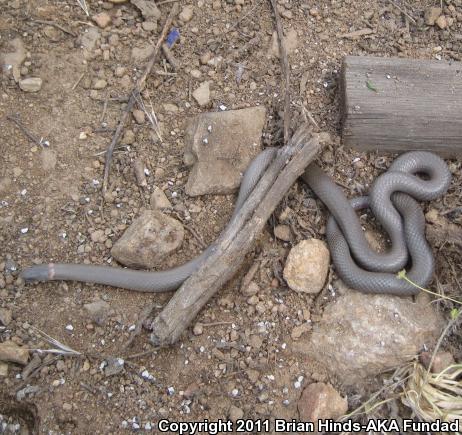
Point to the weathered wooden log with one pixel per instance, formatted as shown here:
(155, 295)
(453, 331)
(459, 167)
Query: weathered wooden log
(395, 105)
(234, 243)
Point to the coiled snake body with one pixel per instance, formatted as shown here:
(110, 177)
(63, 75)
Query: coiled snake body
(391, 199)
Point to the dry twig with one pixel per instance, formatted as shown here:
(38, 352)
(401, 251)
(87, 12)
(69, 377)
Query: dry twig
(21, 126)
(285, 70)
(411, 18)
(56, 25)
(135, 93)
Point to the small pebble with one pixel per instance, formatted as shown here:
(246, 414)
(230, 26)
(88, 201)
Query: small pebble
(102, 19)
(198, 329)
(31, 84)
(186, 14)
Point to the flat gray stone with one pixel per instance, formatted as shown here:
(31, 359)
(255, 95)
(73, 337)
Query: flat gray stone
(89, 38)
(220, 146)
(98, 311)
(148, 240)
(114, 366)
(361, 335)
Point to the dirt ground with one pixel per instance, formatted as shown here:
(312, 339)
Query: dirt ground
(51, 201)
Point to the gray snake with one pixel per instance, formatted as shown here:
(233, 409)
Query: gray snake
(391, 199)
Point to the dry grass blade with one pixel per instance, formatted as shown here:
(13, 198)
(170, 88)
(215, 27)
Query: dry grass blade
(434, 396)
(60, 348)
(285, 69)
(139, 86)
(150, 114)
(388, 391)
(84, 6)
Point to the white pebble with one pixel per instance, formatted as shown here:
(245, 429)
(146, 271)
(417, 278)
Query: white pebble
(24, 230)
(298, 382)
(69, 327)
(146, 375)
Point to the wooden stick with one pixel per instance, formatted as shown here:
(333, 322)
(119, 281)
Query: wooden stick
(135, 93)
(53, 24)
(20, 125)
(237, 240)
(285, 70)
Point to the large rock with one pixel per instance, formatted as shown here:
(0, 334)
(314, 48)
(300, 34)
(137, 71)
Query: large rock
(360, 335)
(149, 239)
(307, 266)
(321, 401)
(221, 145)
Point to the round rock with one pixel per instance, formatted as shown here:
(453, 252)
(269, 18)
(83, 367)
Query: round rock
(307, 266)
(148, 240)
